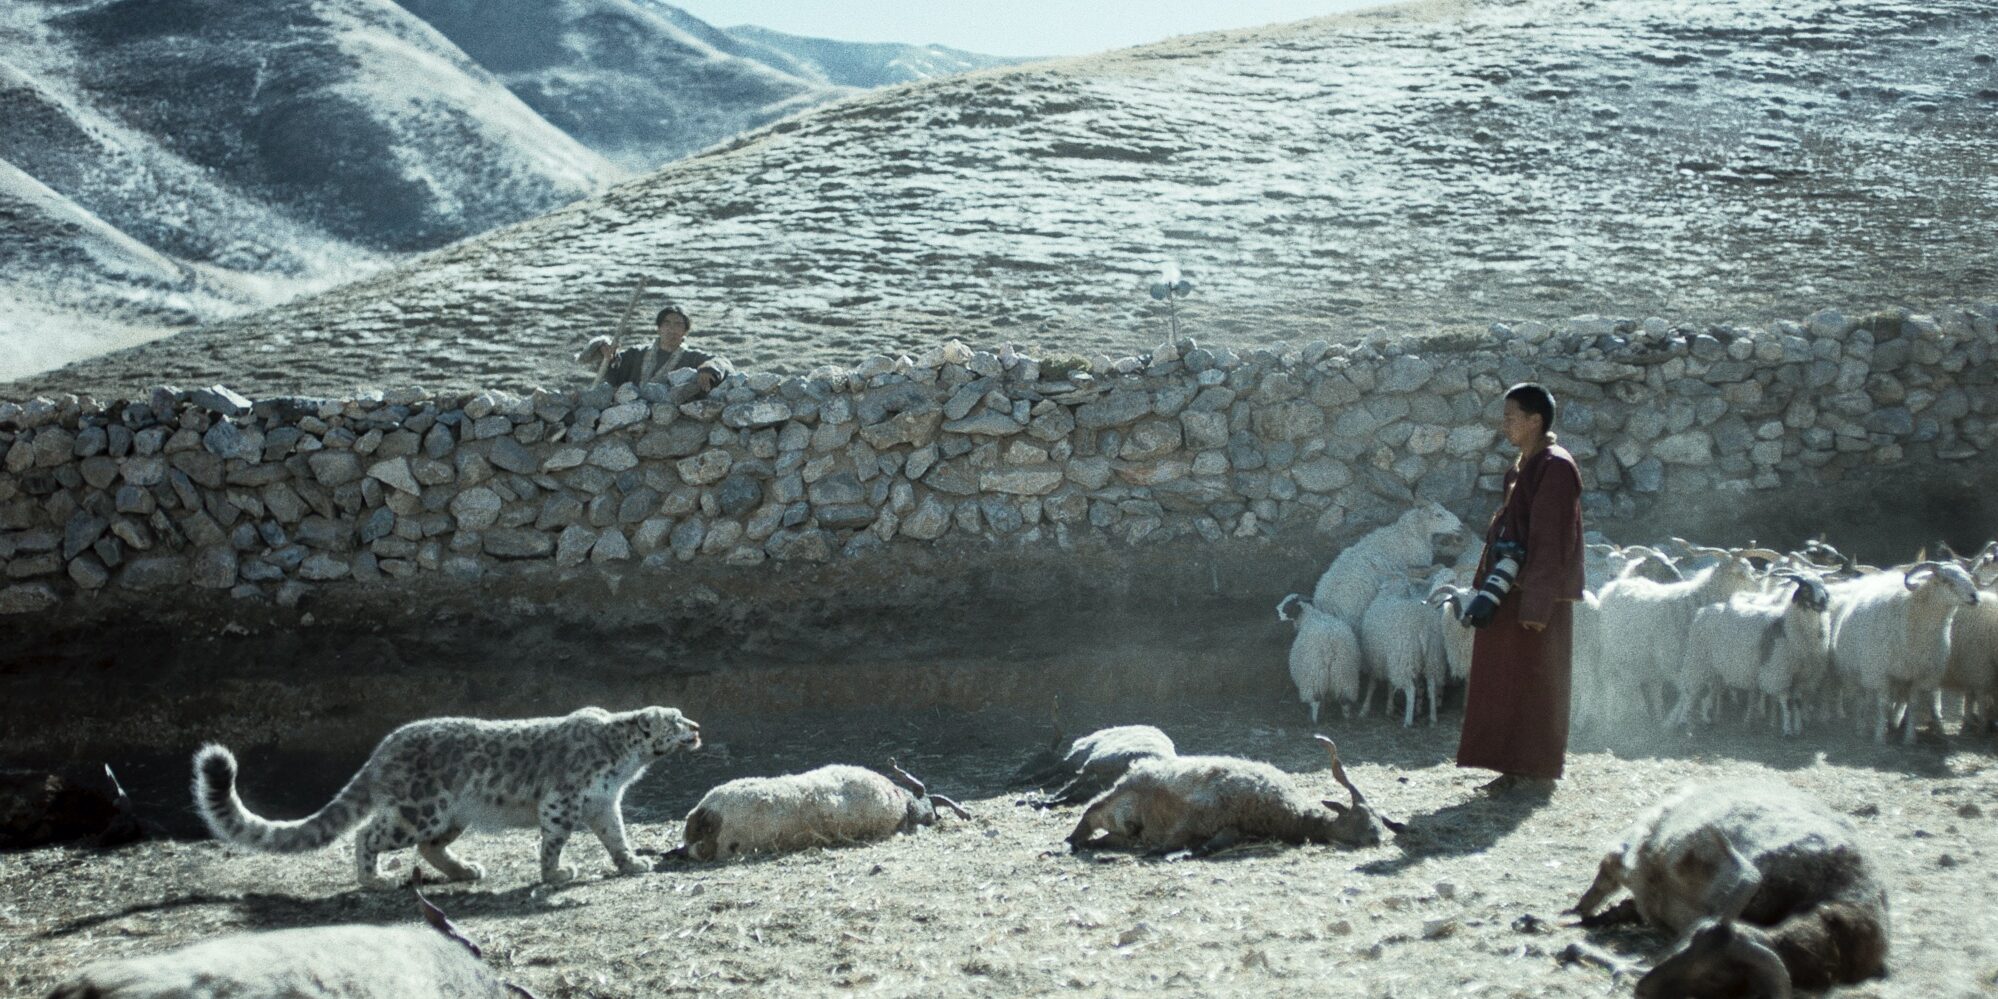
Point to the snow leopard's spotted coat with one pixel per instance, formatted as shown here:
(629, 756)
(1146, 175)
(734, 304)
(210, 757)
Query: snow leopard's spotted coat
(429, 781)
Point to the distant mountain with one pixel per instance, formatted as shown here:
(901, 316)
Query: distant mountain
(167, 162)
(1435, 165)
(621, 76)
(180, 160)
(350, 116)
(860, 64)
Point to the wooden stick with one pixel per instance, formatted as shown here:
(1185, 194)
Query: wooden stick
(623, 326)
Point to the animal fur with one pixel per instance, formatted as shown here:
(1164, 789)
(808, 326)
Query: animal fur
(1782, 870)
(429, 781)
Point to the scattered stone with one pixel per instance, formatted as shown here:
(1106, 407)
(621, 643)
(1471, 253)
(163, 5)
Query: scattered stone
(220, 399)
(27, 598)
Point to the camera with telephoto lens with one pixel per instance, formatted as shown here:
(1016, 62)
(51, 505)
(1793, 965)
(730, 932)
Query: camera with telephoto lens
(1506, 559)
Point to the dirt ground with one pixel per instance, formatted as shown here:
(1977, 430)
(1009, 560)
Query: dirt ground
(1468, 902)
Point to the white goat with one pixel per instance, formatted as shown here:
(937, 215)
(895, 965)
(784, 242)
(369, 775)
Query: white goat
(833, 804)
(1324, 657)
(1450, 600)
(1587, 693)
(1403, 646)
(1776, 644)
(1644, 624)
(1350, 583)
(352, 962)
(1891, 634)
(1973, 647)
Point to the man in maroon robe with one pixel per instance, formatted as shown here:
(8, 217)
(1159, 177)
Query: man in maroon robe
(1516, 710)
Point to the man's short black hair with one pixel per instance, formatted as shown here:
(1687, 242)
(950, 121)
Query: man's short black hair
(1533, 397)
(672, 310)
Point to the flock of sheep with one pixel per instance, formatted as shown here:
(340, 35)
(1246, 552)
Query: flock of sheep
(1671, 635)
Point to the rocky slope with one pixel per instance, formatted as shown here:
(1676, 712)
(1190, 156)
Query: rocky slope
(1434, 164)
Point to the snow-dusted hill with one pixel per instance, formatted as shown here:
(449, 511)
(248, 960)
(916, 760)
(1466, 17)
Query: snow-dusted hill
(1437, 164)
(861, 64)
(180, 160)
(620, 75)
(209, 157)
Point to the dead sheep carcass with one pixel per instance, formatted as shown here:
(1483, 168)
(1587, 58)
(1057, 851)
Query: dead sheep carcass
(1766, 888)
(1090, 764)
(833, 804)
(1207, 803)
(350, 962)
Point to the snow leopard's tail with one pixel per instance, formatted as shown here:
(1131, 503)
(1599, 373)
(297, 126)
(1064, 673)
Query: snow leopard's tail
(223, 812)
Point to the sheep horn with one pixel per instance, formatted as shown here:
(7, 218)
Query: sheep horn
(1054, 714)
(1442, 594)
(1988, 553)
(909, 779)
(1908, 577)
(952, 805)
(1339, 771)
(437, 920)
(1285, 602)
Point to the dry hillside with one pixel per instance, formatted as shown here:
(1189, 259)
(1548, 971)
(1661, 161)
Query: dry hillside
(1432, 164)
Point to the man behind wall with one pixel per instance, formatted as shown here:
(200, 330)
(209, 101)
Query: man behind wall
(653, 362)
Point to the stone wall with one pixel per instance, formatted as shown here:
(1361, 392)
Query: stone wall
(272, 498)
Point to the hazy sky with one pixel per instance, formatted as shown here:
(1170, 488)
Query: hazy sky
(1010, 27)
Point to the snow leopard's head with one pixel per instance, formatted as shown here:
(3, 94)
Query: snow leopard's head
(663, 730)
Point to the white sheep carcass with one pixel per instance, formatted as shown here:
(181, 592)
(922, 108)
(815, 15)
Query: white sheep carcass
(349, 961)
(1644, 623)
(830, 805)
(1891, 634)
(1403, 646)
(1774, 644)
(1207, 803)
(1350, 583)
(1766, 887)
(1324, 657)
(1090, 764)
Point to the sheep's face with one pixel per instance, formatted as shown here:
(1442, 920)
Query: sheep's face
(1810, 594)
(1718, 958)
(1354, 824)
(1945, 579)
(663, 730)
(1430, 517)
(1358, 825)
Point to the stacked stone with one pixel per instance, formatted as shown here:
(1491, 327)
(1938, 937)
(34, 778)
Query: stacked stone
(207, 489)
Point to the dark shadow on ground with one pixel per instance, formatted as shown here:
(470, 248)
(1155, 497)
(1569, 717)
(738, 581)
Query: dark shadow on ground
(1469, 826)
(272, 911)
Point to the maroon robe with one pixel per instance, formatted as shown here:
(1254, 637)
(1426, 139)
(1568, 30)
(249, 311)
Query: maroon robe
(1516, 709)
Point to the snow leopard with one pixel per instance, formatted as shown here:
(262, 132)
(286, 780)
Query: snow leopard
(430, 780)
